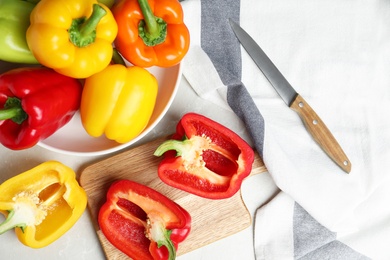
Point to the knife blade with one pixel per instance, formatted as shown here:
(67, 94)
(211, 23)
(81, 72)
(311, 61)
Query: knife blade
(313, 123)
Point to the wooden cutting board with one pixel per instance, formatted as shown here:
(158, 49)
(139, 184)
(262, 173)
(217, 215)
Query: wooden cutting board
(211, 219)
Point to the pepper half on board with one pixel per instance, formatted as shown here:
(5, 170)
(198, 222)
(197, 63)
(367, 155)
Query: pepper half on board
(209, 160)
(141, 222)
(36, 102)
(151, 33)
(14, 21)
(42, 203)
(73, 37)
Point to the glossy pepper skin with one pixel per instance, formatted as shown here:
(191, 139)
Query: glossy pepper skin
(73, 37)
(210, 161)
(42, 203)
(108, 3)
(118, 102)
(164, 51)
(143, 223)
(34, 104)
(14, 21)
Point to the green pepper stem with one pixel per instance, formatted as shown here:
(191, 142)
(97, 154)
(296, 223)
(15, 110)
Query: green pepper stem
(26, 211)
(83, 31)
(10, 113)
(91, 23)
(150, 20)
(178, 146)
(156, 231)
(152, 30)
(13, 110)
(167, 242)
(13, 220)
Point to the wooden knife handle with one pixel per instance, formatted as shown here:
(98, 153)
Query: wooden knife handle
(321, 133)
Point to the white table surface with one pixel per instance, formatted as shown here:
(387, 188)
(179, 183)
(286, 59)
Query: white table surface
(81, 242)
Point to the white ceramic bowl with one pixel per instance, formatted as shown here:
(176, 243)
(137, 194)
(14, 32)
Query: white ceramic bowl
(72, 139)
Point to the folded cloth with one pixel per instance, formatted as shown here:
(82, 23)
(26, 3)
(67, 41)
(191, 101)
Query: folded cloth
(285, 230)
(336, 53)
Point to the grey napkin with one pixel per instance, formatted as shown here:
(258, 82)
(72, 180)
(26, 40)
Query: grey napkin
(219, 42)
(311, 239)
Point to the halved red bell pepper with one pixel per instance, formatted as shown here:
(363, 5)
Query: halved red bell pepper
(211, 161)
(141, 222)
(36, 102)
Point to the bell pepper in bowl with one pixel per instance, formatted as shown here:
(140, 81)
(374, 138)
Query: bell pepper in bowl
(151, 33)
(14, 21)
(118, 102)
(73, 37)
(34, 104)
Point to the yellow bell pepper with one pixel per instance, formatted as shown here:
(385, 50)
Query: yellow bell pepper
(41, 203)
(73, 37)
(118, 102)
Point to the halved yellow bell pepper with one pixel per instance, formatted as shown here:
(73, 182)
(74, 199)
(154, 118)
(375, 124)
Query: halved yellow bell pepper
(118, 102)
(73, 37)
(42, 203)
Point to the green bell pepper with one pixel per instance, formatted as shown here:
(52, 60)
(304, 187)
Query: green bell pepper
(14, 21)
(108, 3)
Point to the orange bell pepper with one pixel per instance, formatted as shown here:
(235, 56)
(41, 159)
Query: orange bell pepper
(151, 33)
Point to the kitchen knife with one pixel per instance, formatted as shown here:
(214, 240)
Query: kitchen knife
(312, 121)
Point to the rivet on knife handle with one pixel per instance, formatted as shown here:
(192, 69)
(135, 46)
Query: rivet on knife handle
(321, 133)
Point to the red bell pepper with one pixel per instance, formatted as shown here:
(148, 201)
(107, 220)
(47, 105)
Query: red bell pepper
(210, 161)
(36, 102)
(141, 222)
